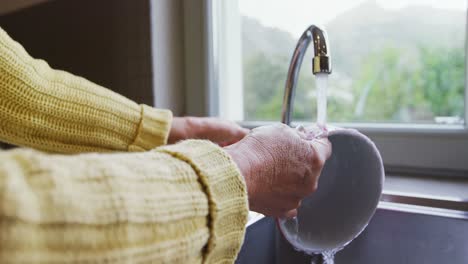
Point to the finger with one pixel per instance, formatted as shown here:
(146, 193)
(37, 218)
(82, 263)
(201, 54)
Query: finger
(178, 130)
(289, 204)
(234, 137)
(323, 149)
(312, 132)
(219, 131)
(228, 131)
(310, 183)
(290, 214)
(238, 133)
(321, 152)
(302, 134)
(224, 144)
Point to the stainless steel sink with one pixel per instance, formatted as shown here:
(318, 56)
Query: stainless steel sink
(397, 234)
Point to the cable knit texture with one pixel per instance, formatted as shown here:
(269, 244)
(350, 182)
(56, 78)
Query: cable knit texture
(185, 203)
(227, 197)
(55, 111)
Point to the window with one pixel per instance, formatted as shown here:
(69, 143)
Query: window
(398, 71)
(393, 61)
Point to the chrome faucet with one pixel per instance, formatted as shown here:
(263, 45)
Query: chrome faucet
(320, 64)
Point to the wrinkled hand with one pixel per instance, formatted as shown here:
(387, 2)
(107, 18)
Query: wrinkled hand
(280, 167)
(220, 131)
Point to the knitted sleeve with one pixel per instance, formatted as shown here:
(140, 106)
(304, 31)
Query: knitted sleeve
(185, 203)
(55, 111)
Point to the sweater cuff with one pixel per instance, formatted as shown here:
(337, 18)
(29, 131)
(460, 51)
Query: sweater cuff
(227, 195)
(153, 129)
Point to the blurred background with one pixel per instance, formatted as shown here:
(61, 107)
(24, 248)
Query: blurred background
(398, 67)
(393, 61)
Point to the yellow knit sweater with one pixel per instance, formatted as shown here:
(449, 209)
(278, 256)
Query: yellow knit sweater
(184, 203)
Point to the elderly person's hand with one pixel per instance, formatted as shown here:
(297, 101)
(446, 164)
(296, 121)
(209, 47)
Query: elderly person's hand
(219, 131)
(280, 167)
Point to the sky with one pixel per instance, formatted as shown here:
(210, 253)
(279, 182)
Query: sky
(295, 15)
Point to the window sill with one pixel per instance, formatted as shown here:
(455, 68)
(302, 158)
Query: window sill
(445, 193)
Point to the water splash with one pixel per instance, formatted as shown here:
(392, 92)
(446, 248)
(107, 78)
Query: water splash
(316, 259)
(329, 257)
(325, 257)
(321, 80)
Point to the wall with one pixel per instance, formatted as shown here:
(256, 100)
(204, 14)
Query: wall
(105, 41)
(7, 6)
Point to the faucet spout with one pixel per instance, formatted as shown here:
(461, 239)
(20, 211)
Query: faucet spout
(320, 64)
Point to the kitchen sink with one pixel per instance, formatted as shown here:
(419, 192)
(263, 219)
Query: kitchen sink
(397, 234)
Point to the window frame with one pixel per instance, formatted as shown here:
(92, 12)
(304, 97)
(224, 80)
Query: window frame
(426, 150)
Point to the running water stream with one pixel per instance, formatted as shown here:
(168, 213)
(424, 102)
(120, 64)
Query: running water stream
(322, 87)
(321, 80)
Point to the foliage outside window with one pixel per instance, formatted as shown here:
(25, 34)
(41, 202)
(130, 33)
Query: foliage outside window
(404, 65)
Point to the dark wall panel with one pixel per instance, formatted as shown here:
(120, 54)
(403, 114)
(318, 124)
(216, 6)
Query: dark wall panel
(105, 41)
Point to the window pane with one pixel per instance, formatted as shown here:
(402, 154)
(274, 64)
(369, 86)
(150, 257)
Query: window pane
(399, 61)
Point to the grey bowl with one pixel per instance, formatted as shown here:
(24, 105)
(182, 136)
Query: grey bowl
(347, 196)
